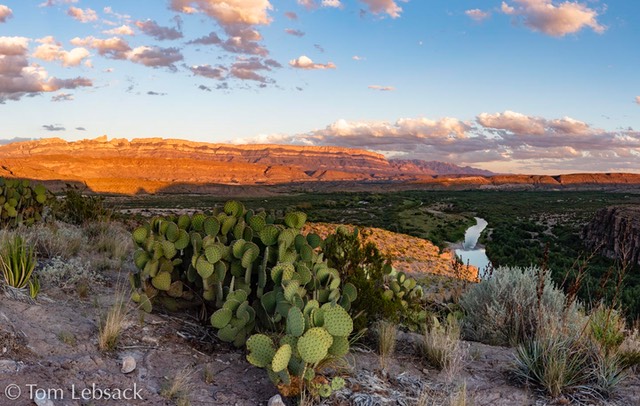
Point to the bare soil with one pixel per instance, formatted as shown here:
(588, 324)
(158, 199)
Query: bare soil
(50, 346)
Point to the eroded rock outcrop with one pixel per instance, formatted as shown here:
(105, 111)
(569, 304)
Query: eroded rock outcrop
(616, 232)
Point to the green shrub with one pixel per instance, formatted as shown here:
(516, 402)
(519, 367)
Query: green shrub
(562, 362)
(17, 262)
(78, 208)
(504, 308)
(607, 327)
(382, 293)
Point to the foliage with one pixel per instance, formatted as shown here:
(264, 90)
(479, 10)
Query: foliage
(78, 208)
(382, 293)
(20, 203)
(441, 345)
(563, 362)
(256, 271)
(17, 262)
(504, 309)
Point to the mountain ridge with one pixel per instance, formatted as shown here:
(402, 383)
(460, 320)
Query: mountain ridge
(155, 165)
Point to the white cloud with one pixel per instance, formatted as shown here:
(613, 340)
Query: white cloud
(50, 50)
(158, 32)
(20, 78)
(638, 99)
(51, 3)
(506, 141)
(155, 56)
(122, 30)
(382, 88)
(62, 97)
(228, 12)
(477, 14)
(554, 19)
(331, 3)
(5, 13)
(114, 48)
(308, 4)
(358, 58)
(84, 16)
(389, 7)
(304, 62)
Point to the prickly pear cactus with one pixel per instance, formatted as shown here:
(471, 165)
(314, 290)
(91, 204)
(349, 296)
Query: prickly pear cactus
(20, 203)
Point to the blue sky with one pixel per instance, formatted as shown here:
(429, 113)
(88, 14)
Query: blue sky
(538, 86)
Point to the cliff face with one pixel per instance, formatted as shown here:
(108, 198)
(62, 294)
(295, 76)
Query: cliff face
(156, 164)
(617, 231)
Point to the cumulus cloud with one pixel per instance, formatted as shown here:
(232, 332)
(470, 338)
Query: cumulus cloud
(304, 62)
(228, 13)
(117, 48)
(331, 3)
(389, 7)
(477, 14)
(382, 88)
(158, 32)
(50, 50)
(243, 43)
(53, 127)
(155, 56)
(295, 33)
(501, 141)
(308, 4)
(114, 48)
(554, 19)
(208, 71)
(122, 30)
(62, 97)
(84, 16)
(5, 13)
(19, 77)
(358, 58)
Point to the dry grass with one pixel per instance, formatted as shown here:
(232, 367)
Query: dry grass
(111, 327)
(443, 349)
(179, 387)
(386, 335)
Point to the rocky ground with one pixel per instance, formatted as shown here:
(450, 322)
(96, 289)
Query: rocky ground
(50, 346)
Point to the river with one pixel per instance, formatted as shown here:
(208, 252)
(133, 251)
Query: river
(470, 253)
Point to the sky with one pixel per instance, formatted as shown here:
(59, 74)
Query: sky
(522, 86)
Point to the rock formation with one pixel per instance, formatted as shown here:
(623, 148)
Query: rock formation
(616, 231)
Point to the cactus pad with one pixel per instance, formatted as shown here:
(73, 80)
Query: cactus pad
(281, 358)
(234, 208)
(221, 318)
(211, 226)
(295, 219)
(204, 267)
(261, 350)
(140, 235)
(162, 281)
(337, 383)
(337, 321)
(269, 235)
(213, 253)
(295, 322)
(314, 345)
(314, 240)
(350, 291)
(340, 346)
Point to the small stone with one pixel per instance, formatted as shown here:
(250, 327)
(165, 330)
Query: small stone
(42, 400)
(276, 400)
(128, 364)
(8, 366)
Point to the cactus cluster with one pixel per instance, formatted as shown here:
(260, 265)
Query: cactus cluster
(251, 271)
(20, 203)
(406, 291)
(313, 334)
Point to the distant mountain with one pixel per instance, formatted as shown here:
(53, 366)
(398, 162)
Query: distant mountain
(417, 166)
(154, 165)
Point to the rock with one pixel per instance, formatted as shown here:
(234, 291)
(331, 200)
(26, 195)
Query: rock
(8, 366)
(616, 231)
(128, 364)
(275, 400)
(42, 401)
